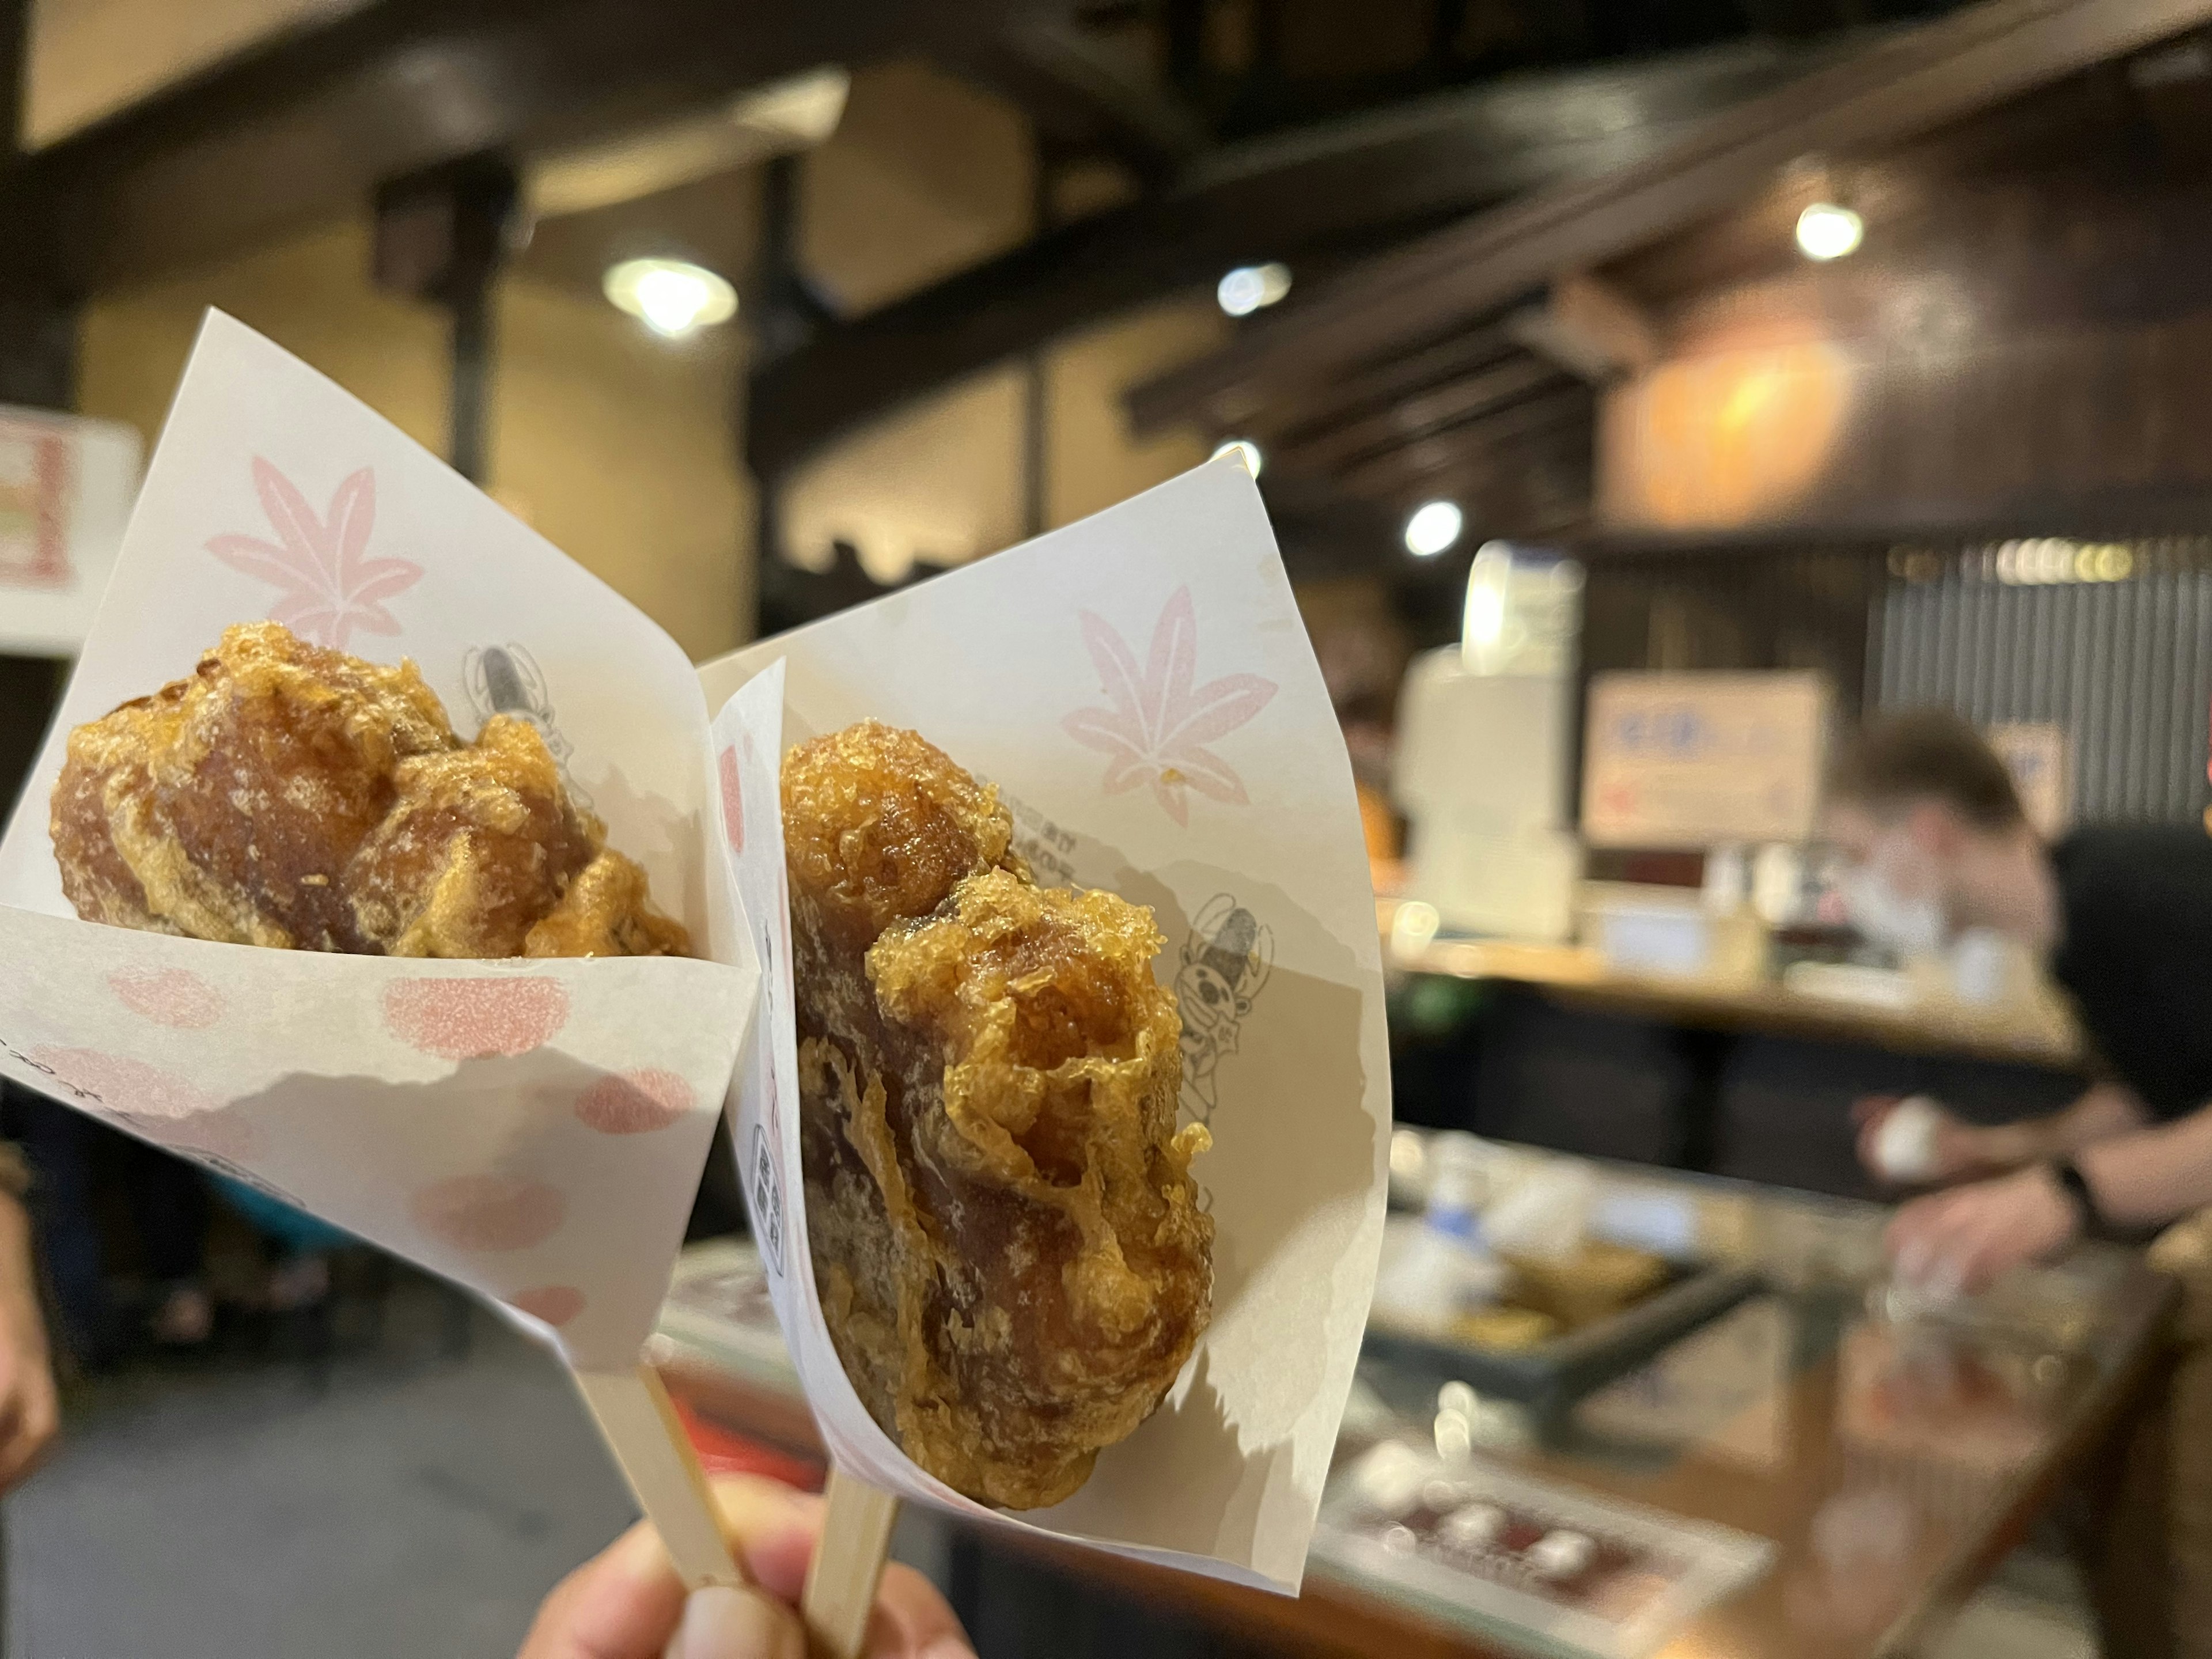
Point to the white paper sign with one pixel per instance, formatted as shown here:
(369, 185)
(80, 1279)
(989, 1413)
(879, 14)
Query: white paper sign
(66, 485)
(1689, 760)
(534, 1129)
(1140, 689)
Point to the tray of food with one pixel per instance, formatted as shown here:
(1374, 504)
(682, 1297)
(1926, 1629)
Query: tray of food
(1548, 1567)
(1558, 1326)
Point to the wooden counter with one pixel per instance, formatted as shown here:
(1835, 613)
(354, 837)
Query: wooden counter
(1948, 1440)
(1577, 975)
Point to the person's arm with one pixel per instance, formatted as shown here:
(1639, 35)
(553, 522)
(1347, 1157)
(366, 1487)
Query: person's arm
(29, 1410)
(2105, 1111)
(1964, 1238)
(2153, 1176)
(1963, 1151)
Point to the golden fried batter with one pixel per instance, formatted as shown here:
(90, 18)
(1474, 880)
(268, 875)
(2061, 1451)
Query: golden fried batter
(291, 796)
(1013, 1261)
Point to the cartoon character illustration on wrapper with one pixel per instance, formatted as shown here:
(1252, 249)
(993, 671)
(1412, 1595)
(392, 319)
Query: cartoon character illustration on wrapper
(1225, 964)
(505, 680)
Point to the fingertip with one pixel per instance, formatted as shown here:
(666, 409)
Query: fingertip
(772, 1526)
(721, 1622)
(912, 1618)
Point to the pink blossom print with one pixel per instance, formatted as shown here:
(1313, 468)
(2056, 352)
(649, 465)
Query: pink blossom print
(327, 584)
(635, 1102)
(129, 1086)
(556, 1304)
(1157, 722)
(733, 800)
(483, 1213)
(476, 1018)
(175, 997)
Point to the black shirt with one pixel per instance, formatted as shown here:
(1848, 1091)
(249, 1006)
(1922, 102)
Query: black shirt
(2136, 903)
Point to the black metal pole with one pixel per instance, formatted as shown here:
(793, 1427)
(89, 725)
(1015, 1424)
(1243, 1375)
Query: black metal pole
(470, 442)
(443, 235)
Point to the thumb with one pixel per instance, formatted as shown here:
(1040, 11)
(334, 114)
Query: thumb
(722, 1623)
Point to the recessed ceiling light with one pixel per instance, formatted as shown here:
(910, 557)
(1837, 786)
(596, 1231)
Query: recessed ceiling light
(1246, 288)
(1433, 528)
(1826, 231)
(1245, 450)
(671, 297)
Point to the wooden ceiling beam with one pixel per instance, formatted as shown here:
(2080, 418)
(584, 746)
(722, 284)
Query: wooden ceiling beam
(1407, 468)
(307, 123)
(1590, 328)
(1336, 185)
(1082, 92)
(1448, 405)
(1357, 393)
(1907, 85)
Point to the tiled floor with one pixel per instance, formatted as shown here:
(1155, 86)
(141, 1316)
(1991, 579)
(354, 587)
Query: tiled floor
(418, 1506)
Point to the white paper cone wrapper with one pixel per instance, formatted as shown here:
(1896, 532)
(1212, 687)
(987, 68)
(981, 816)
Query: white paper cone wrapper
(1140, 688)
(534, 1129)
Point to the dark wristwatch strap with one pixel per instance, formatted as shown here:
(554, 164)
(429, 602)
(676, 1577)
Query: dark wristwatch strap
(2076, 1186)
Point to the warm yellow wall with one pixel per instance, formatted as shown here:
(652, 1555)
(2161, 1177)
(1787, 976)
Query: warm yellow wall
(619, 448)
(940, 480)
(1092, 459)
(623, 450)
(89, 57)
(311, 295)
(925, 175)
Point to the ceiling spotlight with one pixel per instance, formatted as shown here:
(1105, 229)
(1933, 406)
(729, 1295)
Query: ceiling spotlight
(1246, 288)
(671, 297)
(1826, 231)
(1433, 528)
(1245, 450)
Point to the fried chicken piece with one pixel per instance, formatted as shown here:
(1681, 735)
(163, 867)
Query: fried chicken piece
(291, 796)
(1013, 1261)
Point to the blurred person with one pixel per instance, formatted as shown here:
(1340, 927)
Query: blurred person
(1932, 827)
(1927, 816)
(166, 1204)
(626, 1602)
(298, 1272)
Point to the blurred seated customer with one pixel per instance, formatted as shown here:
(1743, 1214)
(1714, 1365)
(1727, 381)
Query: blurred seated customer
(625, 1603)
(164, 1204)
(1929, 819)
(299, 1244)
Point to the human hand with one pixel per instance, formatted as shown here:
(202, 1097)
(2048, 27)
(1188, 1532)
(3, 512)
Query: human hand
(626, 1601)
(1962, 1240)
(30, 1411)
(1948, 1150)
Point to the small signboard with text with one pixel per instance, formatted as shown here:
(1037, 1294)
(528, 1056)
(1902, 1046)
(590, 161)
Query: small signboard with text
(1693, 760)
(66, 486)
(2039, 758)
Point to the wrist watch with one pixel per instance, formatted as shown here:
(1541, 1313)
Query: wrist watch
(2076, 1186)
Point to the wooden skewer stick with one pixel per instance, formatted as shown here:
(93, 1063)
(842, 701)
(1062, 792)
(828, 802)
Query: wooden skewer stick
(639, 1423)
(840, 1583)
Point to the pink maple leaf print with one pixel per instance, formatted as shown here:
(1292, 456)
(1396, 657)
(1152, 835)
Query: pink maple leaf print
(328, 584)
(1158, 724)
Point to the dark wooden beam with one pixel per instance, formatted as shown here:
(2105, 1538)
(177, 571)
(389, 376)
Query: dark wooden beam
(1409, 468)
(14, 71)
(1084, 95)
(1905, 86)
(1361, 392)
(308, 123)
(1346, 181)
(1589, 328)
(1449, 404)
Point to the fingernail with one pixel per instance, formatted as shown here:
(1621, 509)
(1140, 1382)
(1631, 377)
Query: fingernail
(947, 1647)
(721, 1623)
